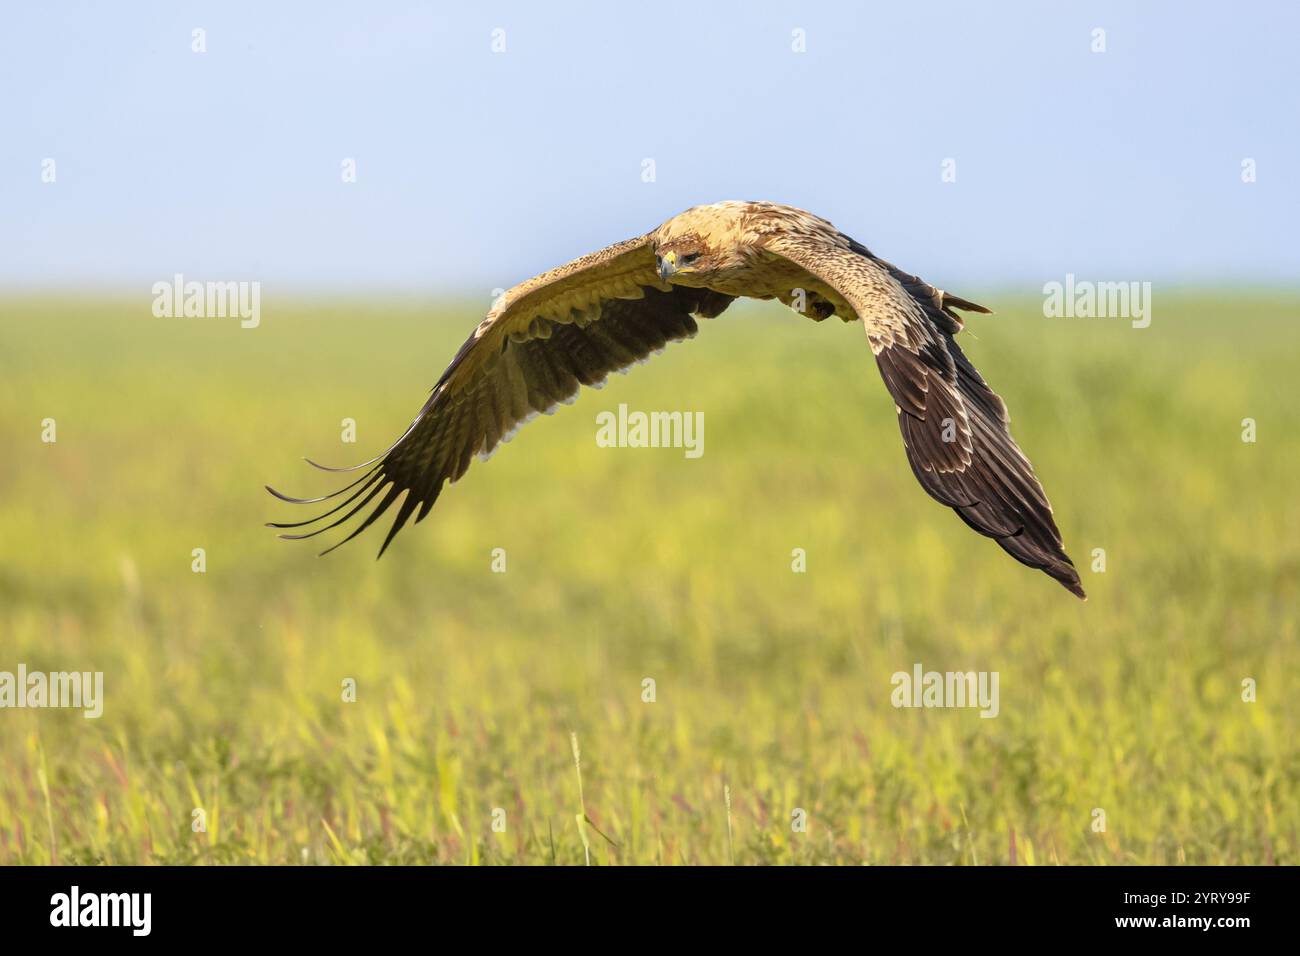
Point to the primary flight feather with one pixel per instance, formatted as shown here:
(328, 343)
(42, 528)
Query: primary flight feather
(572, 326)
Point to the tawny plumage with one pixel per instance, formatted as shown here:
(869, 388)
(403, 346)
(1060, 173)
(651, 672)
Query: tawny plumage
(572, 326)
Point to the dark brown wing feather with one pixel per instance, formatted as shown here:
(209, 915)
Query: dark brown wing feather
(958, 440)
(510, 370)
(955, 428)
(939, 306)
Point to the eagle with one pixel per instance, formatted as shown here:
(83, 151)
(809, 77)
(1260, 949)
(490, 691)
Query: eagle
(547, 337)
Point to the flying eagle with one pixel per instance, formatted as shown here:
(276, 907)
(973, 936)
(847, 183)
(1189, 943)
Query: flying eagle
(574, 325)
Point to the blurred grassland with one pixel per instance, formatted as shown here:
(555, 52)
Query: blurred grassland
(223, 689)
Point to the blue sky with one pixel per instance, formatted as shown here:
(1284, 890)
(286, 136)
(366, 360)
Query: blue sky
(475, 168)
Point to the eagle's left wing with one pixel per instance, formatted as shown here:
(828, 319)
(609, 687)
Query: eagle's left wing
(540, 342)
(955, 428)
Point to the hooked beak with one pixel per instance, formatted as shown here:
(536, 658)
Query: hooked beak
(667, 264)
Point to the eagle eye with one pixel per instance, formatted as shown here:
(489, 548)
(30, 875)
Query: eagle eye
(689, 258)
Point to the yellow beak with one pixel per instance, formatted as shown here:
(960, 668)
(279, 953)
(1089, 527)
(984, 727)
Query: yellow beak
(667, 264)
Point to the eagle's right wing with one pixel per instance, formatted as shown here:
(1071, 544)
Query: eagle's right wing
(540, 342)
(955, 428)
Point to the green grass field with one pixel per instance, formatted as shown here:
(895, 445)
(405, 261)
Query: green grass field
(224, 689)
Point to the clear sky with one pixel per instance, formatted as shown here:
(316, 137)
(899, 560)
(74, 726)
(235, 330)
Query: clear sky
(476, 168)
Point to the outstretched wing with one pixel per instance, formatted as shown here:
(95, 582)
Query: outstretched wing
(955, 428)
(541, 341)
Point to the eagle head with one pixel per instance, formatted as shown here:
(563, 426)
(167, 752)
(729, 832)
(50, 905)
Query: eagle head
(703, 246)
